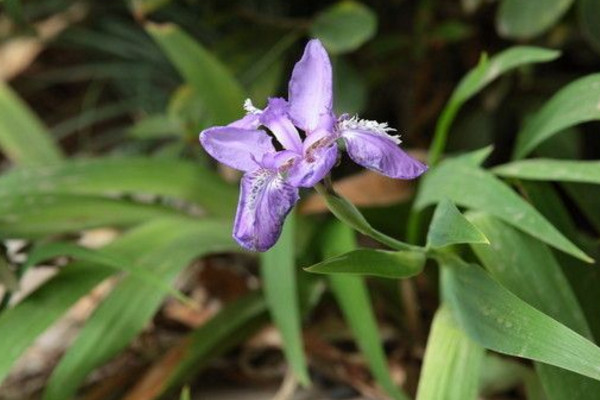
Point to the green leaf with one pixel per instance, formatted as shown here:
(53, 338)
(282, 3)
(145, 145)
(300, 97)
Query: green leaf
(221, 94)
(157, 126)
(20, 325)
(345, 26)
(552, 170)
(352, 296)
(36, 215)
(500, 321)
(449, 227)
(533, 274)
(100, 257)
(23, 137)
(452, 364)
(588, 12)
(472, 187)
(382, 263)
(278, 271)
(573, 104)
(478, 78)
(519, 19)
(351, 216)
(133, 302)
(132, 175)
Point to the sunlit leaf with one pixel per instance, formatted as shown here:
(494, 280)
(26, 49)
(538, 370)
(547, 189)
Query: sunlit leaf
(23, 137)
(353, 298)
(450, 357)
(125, 176)
(278, 271)
(221, 94)
(552, 170)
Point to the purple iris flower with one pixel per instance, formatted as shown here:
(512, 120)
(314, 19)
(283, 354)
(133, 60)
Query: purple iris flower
(269, 187)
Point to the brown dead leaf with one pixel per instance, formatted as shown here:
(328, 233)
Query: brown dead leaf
(18, 53)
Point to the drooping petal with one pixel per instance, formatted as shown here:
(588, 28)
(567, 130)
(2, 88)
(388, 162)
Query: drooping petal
(265, 201)
(275, 117)
(310, 90)
(239, 148)
(319, 156)
(380, 152)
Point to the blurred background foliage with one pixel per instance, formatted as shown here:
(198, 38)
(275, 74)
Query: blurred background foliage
(119, 276)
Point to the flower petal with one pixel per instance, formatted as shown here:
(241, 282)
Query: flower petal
(265, 201)
(310, 89)
(249, 121)
(239, 148)
(319, 156)
(380, 152)
(275, 117)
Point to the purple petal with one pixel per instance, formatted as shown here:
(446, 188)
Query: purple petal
(379, 152)
(238, 148)
(275, 117)
(310, 89)
(249, 121)
(265, 201)
(319, 157)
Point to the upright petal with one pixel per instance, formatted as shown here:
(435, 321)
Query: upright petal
(239, 148)
(265, 201)
(310, 89)
(275, 117)
(380, 152)
(319, 156)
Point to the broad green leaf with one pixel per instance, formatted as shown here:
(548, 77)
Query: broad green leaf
(278, 271)
(452, 365)
(353, 298)
(133, 302)
(573, 104)
(449, 227)
(345, 26)
(585, 196)
(501, 374)
(136, 175)
(519, 19)
(23, 137)
(478, 78)
(221, 94)
(35, 215)
(588, 12)
(500, 321)
(552, 170)
(382, 263)
(351, 216)
(533, 274)
(472, 187)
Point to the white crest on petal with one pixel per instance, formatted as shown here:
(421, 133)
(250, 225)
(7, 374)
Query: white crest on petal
(250, 109)
(355, 123)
